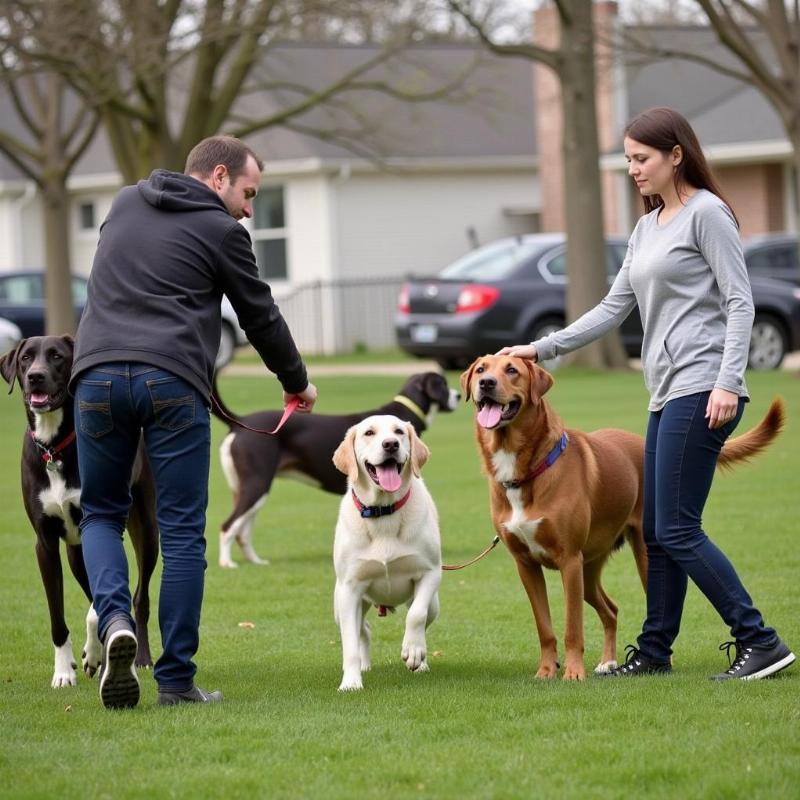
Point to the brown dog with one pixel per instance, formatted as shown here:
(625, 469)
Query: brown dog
(564, 499)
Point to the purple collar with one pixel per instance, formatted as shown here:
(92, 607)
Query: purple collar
(548, 462)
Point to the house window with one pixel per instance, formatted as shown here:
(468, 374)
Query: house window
(86, 216)
(269, 233)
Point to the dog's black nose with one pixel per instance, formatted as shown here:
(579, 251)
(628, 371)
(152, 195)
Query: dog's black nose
(35, 378)
(390, 445)
(487, 383)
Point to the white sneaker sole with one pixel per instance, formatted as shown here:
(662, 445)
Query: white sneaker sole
(119, 684)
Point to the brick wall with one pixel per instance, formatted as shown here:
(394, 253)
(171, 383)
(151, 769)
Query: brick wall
(756, 192)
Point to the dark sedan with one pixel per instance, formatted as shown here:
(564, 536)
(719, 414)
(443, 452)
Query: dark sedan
(513, 290)
(22, 301)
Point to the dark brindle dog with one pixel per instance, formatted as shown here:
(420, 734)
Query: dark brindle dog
(51, 494)
(303, 449)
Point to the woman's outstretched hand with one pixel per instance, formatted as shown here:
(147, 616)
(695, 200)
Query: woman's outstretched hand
(519, 351)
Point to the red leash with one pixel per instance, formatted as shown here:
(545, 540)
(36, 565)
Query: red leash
(287, 412)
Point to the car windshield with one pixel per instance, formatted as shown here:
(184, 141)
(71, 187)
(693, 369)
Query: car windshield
(490, 263)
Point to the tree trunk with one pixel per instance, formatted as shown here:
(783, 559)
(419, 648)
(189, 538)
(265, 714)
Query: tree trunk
(794, 183)
(60, 316)
(586, 255)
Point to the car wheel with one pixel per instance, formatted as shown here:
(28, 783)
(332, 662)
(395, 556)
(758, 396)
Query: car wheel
(545, 327)
(768, 343)
(227, 344)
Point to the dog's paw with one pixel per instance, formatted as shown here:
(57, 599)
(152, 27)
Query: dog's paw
(91, 663)
(414, 654)
(351, 684)
(254, 559)
(64, 667)
(604, 667)
(227, 563)
(547, 669)
(574, 672)
(62, 677)
(90, 657)
(423, 667)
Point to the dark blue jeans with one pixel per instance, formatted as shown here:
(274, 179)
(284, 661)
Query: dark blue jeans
(114, 403)
(680, 457)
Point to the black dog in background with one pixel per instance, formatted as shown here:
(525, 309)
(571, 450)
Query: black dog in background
(303, 449)
(51, 494)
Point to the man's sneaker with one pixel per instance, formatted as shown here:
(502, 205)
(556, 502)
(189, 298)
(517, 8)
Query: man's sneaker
(636, 663)
(754, 661)
(193, 695)
(119, 685)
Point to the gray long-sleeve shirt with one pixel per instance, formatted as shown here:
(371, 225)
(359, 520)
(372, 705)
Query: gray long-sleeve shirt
(690, 281)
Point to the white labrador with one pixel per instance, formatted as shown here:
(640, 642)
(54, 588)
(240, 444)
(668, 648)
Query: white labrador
(386, 550)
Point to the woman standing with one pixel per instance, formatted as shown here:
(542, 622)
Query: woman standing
(686, 271)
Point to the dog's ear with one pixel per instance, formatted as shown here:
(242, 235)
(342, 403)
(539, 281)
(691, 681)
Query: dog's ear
(344, 458)
(70, 341)
(540, 381)
(8, 365)
(419, 451)
(466, 379)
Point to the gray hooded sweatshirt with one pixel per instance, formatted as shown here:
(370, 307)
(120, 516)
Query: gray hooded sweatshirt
(689, 279)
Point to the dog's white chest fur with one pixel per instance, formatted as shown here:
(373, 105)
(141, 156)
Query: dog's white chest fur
(504, 464)
(57, 501)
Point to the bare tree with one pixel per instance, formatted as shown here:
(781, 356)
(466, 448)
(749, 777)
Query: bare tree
(53, 132)
(162, 74)
(764, 39)
(573, 62)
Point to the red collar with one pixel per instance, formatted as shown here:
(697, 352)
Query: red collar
(548, 462)
(49, 453)
(379, 511)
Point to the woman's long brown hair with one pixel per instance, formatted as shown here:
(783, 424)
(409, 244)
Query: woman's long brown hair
(663, 128)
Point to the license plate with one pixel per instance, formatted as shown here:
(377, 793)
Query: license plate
(424, 333)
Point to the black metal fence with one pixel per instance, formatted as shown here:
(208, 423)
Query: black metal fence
(344, 315)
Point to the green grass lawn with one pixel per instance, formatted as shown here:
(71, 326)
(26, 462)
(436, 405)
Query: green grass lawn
(478, 725)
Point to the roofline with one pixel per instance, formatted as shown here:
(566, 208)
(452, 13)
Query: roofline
(771, 150)
(407, 165)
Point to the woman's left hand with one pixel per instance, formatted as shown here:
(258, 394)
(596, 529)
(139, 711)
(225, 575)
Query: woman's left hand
(722, 407)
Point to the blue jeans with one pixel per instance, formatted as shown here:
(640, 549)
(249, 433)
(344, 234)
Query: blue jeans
(680, 457)
(114, 404)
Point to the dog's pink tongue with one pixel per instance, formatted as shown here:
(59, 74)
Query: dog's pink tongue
(38, 397)
(388, 477)
(489, 415)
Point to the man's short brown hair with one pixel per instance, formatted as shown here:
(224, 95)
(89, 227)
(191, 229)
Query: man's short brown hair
(229, 151)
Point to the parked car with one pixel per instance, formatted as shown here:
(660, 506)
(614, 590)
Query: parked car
(10, 334)
(513, 290)
(22, 302)
(773, 255)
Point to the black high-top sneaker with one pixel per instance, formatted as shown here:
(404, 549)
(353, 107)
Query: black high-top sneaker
(753, 661)
(636, 663)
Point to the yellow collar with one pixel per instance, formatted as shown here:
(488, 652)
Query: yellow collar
(411, 406)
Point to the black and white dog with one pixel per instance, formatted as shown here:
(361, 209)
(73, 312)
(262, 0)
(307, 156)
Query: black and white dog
(303, 449)
(51, 493)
